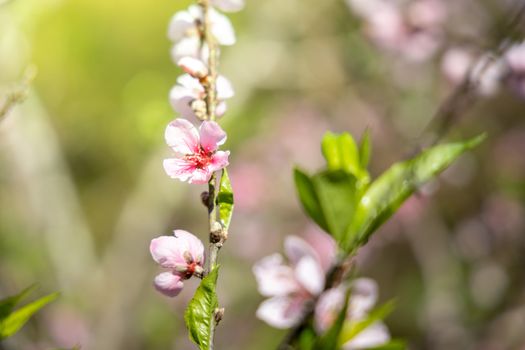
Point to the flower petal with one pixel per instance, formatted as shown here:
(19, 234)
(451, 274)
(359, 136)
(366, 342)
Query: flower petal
(180, 24)
(178, 168)
(221, 28)
(273, 277)
(375, 335)
(168, 284)
(200, 176)
(193, 66)
(167, 251)
(181, 99)
(182, 136)
(296, 248)
(281, 312)
(229, 5)
(328, 307)
(219, 160)
(310, 275)
(224, 88)
(191, 244)
(363, 297)
(211, 136)
(188, 47)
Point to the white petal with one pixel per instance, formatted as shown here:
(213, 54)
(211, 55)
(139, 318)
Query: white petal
(193, 66)
(224, 88)
(296, 248)
(375, 335)
(273, 277)
(310, 275)
(229, 5)
(222, 28)
(281, 312)
(181, 99)
(180, 24)
(328, 307)
(187, 47)
(363, 297)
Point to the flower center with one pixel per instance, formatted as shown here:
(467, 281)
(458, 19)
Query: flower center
(201, 159)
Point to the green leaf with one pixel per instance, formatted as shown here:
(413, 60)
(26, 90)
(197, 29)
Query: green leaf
(336, 193)
(329, 340)
(341, 153)
(200, 314)
(309, 199)
(8, 304)
(365, 149)
(394, 186)
(352, 329)
(12, 323)
(225, 200)
(307, 339)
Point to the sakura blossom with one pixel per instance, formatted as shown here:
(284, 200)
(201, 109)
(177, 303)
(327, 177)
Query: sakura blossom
(487, 72)
(182, 254)
(412, 29)
(187, 97)
(362, 298)
(290, 287)
(197, 151)
(185, 31)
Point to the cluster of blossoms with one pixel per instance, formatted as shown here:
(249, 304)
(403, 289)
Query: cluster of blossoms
(411, 29)
(291, 287)
(197, 155)
(491, 74)
(415, 30)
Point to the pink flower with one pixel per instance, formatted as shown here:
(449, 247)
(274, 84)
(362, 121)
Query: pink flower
(362, 299)
(412, 29)
(289, 286)
(198, 156)
(189, 91)
(184, 32)
(182, 254)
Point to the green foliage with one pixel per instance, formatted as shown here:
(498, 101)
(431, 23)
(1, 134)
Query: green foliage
(386, 194)
(225, 200)
(341, 200)
(200, 313)
(12, 320)
(309, 198)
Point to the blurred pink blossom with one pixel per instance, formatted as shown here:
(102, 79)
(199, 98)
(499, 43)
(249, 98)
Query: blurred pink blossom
(484, 70)
(289, 286)
(198, 156)
(412, 29)
(363, 297)
(184, 31)
(189, 91)
(182, 254)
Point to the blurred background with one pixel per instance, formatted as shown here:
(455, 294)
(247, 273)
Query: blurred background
(82, 189)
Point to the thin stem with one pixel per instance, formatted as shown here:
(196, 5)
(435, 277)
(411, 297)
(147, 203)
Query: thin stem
(209, 40)
(209, 84)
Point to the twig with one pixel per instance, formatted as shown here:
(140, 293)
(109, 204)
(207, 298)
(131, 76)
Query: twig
(217, 237)
(18, 94)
